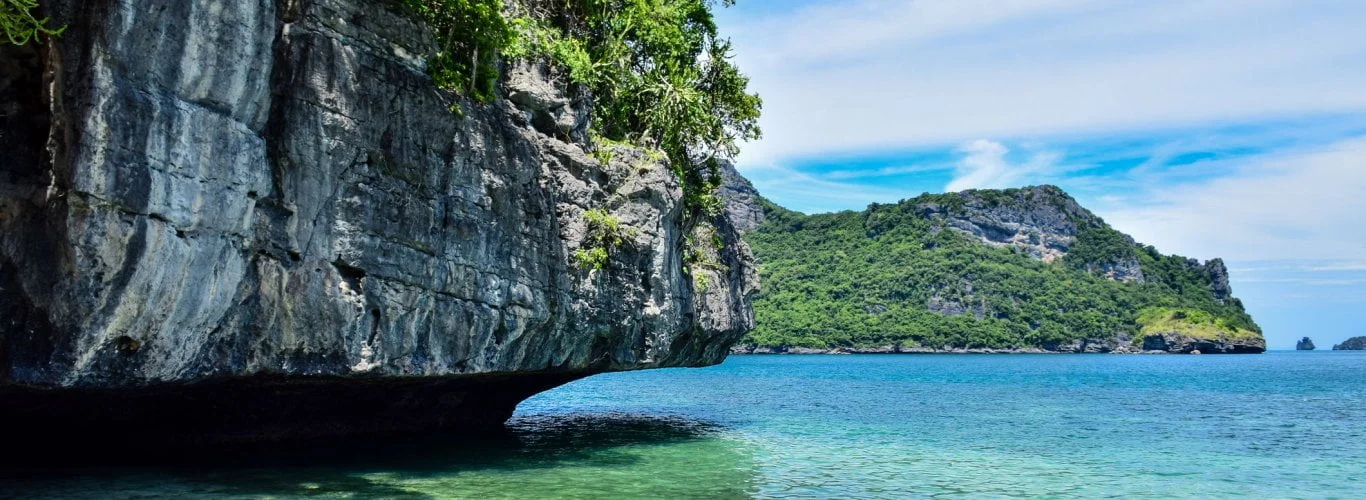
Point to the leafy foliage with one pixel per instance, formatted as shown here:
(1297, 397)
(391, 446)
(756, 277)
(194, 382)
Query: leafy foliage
(860, 279)
(659, 73)
(20, 23)
(605, 233)
(1099, 245)
(1191, 322)
(590, 258)
(661, 76)
(471, 34)
(702, 249)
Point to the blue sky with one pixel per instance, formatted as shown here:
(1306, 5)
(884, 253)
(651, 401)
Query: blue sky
(1232, 129)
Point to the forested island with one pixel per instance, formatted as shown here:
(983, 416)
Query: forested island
(1352, 344)
(1018, 270)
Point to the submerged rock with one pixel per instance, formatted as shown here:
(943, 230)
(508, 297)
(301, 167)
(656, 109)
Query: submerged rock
(248, 220)
(1304, 345)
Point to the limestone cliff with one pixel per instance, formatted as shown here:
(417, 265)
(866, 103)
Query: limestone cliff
(743, 205)
(263, 215)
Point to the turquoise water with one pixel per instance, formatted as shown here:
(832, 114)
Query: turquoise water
(1278, 425)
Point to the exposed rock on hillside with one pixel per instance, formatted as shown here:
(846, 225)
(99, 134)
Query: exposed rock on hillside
(743, 205)
(1041, 220)
(260, 218)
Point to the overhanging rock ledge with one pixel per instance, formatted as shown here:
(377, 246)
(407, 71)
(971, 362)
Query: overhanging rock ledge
(256, 219)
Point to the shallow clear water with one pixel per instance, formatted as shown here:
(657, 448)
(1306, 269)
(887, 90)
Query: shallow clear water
(1278, 425)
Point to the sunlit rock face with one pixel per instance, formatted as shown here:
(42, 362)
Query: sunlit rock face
(1042, 221)
(208, 195)
(743, 204)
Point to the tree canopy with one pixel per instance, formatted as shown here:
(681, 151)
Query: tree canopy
(659, 73)
(889, 275)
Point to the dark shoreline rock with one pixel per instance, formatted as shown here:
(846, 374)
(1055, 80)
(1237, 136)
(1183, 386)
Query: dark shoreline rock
(1153, 344)
(1176, 343)
(1352, 344)
(1305, 344)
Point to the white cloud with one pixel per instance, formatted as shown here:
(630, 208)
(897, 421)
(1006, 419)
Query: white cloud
(985, 166)
(1290, 205)
(868, 74)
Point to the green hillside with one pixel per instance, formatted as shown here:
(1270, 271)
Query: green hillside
(1015, 268)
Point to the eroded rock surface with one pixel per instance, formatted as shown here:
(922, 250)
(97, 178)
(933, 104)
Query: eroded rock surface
(217, 192)
(1177, 343)
(1040, 220)
(743, 204)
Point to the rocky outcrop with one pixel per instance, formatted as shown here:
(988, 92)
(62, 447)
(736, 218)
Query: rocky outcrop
(1176, 343)
(261, 219)
(1041, 221)
(1217, 275)
(742, 203)
(1352, 344)
(1304, 345)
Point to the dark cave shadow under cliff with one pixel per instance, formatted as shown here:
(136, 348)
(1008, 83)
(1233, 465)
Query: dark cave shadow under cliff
(343, 465)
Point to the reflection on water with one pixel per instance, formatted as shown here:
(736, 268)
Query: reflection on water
(597, 455)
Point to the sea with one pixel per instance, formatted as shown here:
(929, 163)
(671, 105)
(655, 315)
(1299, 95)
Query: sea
(1283, 424)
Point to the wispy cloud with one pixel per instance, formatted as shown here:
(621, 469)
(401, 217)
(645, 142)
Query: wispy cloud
(818, 194)
(867, 74)
(1303, 204)
(985, 166)
(886, 171)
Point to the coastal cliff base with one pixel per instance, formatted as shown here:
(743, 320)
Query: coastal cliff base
(163, 421)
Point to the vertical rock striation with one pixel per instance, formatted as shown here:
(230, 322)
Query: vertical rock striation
(743, 204)
(235, 210)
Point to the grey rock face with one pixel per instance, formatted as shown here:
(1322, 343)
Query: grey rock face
(1218, 279)
(224, 191)
(1304, 345)
(1352, 344)
(1121, 270)
(743, 204)
(1176, 343)
(957, 306)
(1041, 221)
